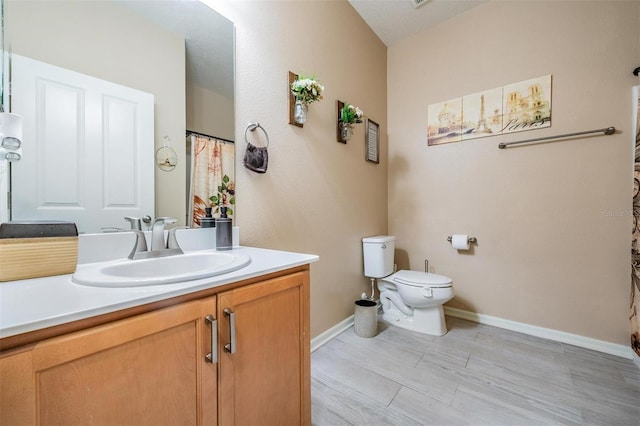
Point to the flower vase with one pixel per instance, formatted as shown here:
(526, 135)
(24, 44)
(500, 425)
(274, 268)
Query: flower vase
(300, 112)
(346, 131)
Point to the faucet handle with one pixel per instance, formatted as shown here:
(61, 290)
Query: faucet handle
(134, 221)
(172, 242)
(140, 245)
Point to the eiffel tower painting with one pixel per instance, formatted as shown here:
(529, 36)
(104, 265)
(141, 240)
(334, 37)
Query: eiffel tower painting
(482, 122)
(476, 122)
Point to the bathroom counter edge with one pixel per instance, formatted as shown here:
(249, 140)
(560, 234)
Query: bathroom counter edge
(31, 305)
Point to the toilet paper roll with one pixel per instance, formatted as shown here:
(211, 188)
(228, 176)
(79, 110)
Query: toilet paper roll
(460, 241)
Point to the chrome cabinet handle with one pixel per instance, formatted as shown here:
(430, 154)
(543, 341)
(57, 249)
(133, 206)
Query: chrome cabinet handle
(213, 356)
(231, 346)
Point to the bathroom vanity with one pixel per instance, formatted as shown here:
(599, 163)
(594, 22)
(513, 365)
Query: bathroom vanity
(231, 349)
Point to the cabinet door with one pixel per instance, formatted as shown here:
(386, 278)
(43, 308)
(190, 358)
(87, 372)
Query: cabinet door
(145, 370)
(265, 380)
(17, 390)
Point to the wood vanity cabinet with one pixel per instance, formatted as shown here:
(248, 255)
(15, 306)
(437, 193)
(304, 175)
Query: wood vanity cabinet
(154, 368)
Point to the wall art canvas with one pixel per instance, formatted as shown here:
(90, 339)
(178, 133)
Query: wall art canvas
(512, 108)
(444, 122)
(482, 114)
(527, 105)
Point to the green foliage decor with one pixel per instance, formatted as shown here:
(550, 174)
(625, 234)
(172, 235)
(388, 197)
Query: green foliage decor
(225, 197)
(351, 114)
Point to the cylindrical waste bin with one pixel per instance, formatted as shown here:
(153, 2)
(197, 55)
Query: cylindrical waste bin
(366, 318)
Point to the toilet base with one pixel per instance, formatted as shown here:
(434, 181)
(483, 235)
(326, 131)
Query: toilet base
(424, 320)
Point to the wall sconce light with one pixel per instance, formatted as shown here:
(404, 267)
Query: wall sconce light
(10, 136)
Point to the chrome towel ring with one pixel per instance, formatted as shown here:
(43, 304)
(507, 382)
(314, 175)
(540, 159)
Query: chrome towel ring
(253, 127)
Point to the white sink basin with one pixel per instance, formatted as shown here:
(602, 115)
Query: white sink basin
(162, 270)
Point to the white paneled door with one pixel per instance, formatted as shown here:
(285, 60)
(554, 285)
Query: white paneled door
(87, 153)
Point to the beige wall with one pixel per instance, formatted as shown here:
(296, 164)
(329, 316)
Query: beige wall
(553, 221)
(318, 196)
(101, 39)
(210, 113)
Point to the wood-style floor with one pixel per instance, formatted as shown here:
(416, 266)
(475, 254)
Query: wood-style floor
(474, 375)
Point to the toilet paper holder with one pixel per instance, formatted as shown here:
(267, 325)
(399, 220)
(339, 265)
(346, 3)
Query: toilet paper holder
(471, 239)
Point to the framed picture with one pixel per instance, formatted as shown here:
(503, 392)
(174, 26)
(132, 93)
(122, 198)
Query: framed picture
(372, 139)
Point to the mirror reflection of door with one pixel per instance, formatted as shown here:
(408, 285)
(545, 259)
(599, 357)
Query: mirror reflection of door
(90, 137)
(182, 52)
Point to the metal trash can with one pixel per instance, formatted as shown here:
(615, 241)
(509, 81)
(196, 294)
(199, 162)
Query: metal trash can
(366, 318)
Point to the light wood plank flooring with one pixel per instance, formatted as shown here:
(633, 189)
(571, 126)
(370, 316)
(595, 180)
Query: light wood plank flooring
(474, 375)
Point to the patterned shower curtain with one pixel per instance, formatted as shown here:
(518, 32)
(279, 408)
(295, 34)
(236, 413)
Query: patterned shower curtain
(635, 242)
(211, 160)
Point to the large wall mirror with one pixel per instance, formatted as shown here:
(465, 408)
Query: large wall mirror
(179, 54)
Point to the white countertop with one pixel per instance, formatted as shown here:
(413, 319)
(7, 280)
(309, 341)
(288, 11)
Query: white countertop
(38, 303)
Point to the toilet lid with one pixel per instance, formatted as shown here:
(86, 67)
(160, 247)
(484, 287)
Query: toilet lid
(421, 279)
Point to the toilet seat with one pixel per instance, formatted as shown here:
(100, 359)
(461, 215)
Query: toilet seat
(421, 279)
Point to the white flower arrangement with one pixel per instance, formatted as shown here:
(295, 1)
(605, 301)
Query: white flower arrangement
(351, 114)
(307, 90)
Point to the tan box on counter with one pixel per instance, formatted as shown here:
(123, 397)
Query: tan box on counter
(41, 255)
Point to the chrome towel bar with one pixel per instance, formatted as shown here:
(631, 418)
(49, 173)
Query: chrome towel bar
(606, 131)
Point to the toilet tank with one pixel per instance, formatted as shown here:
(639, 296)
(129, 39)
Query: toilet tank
(378, 255)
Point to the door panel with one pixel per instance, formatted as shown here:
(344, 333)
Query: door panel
(88, 147)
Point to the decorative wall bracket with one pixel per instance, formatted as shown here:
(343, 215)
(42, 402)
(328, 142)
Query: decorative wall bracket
(292, 101)
(339, 106)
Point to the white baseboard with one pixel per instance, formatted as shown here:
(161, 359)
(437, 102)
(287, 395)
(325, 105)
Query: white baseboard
(327, 335)
(546, 333)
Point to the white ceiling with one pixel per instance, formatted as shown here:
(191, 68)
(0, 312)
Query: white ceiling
(209, 49)
(395, 20)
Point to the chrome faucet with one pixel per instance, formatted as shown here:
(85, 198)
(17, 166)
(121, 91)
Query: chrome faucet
(159, 247)
(157, 232)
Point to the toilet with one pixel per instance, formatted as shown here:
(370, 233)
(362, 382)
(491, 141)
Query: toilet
(410, 299)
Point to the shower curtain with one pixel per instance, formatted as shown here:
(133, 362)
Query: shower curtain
(211, 160)
(634, 313)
